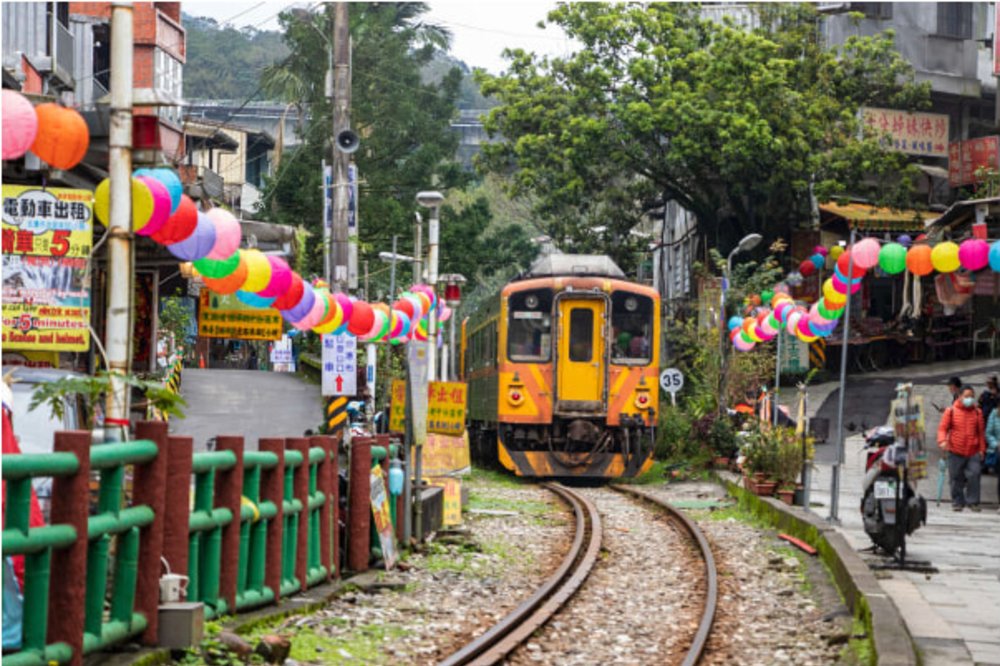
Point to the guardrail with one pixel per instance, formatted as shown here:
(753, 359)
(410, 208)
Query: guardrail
(245, 527)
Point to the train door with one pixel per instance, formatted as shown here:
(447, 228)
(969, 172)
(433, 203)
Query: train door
(580, 366)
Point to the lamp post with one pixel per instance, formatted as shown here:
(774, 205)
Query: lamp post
(747, 243)
(432, 200)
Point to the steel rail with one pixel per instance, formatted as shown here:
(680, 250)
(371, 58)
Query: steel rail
(712, 595)
(518, 625)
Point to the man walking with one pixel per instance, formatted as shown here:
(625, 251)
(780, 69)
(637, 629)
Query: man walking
(962, 435)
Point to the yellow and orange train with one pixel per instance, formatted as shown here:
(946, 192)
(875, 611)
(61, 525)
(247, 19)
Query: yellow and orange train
(562, 371)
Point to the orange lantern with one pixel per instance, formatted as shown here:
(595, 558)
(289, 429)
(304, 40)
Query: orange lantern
(232, 282)
(62, 138)
(918, 260)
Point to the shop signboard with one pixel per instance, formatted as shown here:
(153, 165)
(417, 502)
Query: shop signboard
(966, 157)
(225, 316)
(911, 133)
(47, 236)
(445, 407)
(451, 488)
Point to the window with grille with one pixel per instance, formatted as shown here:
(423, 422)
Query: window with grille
(955, 19)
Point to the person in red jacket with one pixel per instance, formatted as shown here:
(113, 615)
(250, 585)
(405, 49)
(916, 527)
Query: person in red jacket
(963, 435)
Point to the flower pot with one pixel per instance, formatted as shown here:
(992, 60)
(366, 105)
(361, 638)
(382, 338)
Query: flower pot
(765, 488)
(750, 484)
(759, 476)
(786, 496)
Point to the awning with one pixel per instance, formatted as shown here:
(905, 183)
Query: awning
(865, 217)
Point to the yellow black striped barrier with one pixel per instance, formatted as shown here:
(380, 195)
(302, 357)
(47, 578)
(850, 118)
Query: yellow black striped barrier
(172, 384)
(817, 353)
(336, 414)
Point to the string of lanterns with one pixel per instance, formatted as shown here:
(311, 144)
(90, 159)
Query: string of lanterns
(56, 134)
(776, 310)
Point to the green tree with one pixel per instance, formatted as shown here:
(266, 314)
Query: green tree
(738, 125)
(224, 62)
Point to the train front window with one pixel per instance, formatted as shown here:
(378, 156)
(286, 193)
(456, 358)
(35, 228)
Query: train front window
(529, 329)
(631, 328)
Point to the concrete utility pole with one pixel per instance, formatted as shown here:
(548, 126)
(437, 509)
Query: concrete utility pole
(118, 328)
(340, 158)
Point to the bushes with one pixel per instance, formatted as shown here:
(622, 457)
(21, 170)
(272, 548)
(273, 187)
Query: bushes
(673, 437)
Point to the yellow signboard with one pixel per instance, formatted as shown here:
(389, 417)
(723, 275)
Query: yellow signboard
(225, 316)
(383, 517)
(452, 487)
(47, 236)
(445, 454)
(446, 407)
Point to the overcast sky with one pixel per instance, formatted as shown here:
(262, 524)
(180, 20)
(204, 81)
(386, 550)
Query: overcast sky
(481, 29)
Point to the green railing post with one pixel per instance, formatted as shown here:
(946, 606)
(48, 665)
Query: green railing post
(301, 492)
(255, 516)
(292, 507)
(150, 489)
(205, 524)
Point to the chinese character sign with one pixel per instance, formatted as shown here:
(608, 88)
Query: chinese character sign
(445, 407)
(47, 236)
(340, 364)
(966, 157)
(911, 133)
(225, 316)
(397, 406)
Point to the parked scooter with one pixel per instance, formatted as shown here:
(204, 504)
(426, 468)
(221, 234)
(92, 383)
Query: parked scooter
(890, 506)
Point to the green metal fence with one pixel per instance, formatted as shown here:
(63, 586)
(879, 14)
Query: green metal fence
(315, 571)
(207, 521)
(254, 518)
(36, 545)
(292, 510)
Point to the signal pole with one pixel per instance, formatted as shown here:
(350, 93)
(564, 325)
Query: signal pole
(340, 159)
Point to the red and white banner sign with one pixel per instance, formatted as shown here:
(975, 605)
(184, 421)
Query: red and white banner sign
(912, 133)
(965, 157)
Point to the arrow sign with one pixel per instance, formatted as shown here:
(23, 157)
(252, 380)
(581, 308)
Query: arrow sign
(340, 383)
(340, 365)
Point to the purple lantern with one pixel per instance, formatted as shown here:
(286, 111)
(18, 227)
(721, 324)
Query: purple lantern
(197, 245)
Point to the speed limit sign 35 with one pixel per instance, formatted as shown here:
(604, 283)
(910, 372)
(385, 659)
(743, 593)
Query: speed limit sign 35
(672, 381)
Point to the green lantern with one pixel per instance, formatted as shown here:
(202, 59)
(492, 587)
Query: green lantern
(892, 258)
(218, 268)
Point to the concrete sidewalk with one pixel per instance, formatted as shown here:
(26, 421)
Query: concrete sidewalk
(953, 615)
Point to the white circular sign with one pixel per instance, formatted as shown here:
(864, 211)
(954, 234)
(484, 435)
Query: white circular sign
(672, 380)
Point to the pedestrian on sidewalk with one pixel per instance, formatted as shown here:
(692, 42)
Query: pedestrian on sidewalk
(993, 446)
(990, 398)
(962, 434)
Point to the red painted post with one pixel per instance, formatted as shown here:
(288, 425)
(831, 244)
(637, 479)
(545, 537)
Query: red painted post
(324, 482)
(272, 490)
(68, 578)
(301, 444)
(228, 491)
(177, 519)
(359, 513)
(337, 440)
(150, 488)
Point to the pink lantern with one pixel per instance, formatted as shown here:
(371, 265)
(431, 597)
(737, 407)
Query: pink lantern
(161, 208)
(20, 124)
(281, 279)
(974, 254)
(819, 249)
(227, 233)
(314, 316)
(841, 288)
(866, 253)
(346, 306)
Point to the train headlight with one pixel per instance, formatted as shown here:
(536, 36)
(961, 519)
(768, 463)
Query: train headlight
(515, 395)
(642, 400)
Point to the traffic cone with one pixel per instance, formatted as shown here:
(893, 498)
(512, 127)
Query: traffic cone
(201, 361)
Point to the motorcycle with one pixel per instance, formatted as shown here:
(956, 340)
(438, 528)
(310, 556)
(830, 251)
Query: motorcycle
(891, 508)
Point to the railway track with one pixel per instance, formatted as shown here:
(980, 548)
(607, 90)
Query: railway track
(520, 624)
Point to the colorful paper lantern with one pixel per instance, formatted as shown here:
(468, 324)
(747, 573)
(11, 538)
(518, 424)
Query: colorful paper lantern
(210, 268)
(818, 260)
(974, 254)
(405, 305)
(944, 257)
(362, 317)
(905, 240)
(346, 306)
(892, 258)
(232, 282)
(850, 268)
(20, 124)
(170, 180)
(62, 138)
(227, 233)
(292, 296)
(281, 278)
(807, 268)
(142, 203)
(918, 260)
(841, 287)
(820, 250)
(767, 296)
(866, 253)
(835, 252)
(252, 299)
(995, 256)
(161, 207)
(258, 268)
(315, 314)
(197, 245)
(735, 322)
(303, 307)
(181, 224)
(334, 318)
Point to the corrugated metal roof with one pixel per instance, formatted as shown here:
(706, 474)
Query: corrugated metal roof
(574, 264)
(872, 218)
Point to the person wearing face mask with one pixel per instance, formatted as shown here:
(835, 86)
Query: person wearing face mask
(962, 435)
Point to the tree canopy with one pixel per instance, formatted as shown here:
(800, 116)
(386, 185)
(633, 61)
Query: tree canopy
(738, 124)
(225, 63)
(406, 141)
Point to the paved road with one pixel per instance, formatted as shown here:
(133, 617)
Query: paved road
(246, 402)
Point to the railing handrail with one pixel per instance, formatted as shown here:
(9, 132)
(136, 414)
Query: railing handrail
(22, 465)
(118, 454)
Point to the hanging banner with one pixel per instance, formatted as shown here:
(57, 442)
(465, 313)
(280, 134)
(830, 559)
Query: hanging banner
(47, 236)
(382, 517)
(225, 316)
(445, 407)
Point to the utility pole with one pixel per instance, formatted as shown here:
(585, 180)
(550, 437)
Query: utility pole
(118, 328)
(340, 158)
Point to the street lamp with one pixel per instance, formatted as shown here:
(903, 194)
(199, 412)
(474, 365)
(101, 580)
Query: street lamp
(747, 243)
(452, 298)
(432, 200)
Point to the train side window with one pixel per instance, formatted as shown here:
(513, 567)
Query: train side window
(632, 328)
(529, 330)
